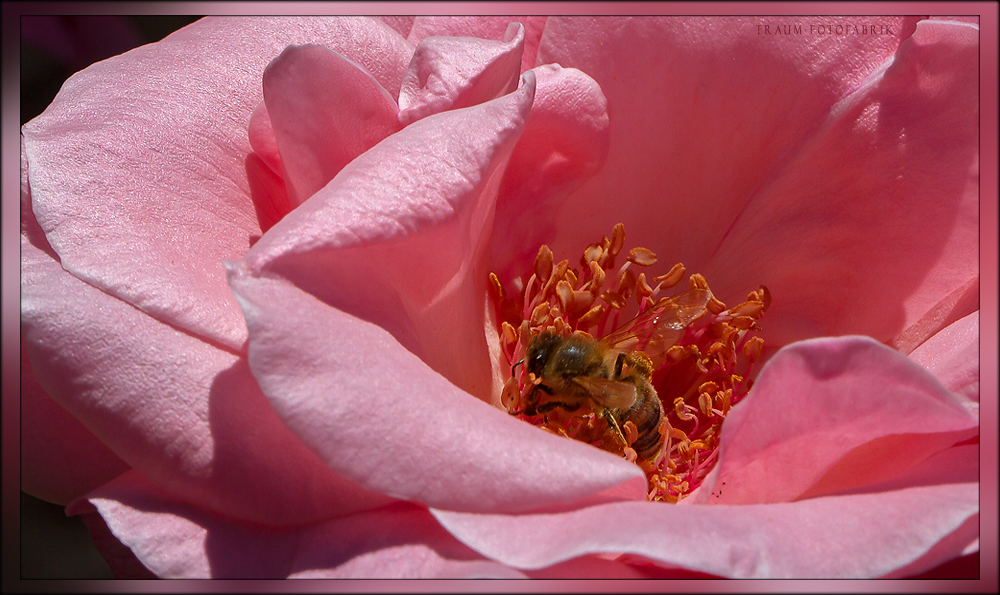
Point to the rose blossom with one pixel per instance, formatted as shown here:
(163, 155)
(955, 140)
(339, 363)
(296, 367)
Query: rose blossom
(328, 403)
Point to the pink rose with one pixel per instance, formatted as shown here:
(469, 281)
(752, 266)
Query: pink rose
(257, 335)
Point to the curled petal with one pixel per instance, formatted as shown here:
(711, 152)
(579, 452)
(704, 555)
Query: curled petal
(818, 194)
(483, 27)
(700, 118)
(174, 539)
(260, 133)
(890, 175)
(456, 72)
(268, 193)
(145, 207)
(826, 415)
(378, 415)
(186, 414)
(325, 110)
(790, 540)
(398, 237)
(565, 142)
(952, 356)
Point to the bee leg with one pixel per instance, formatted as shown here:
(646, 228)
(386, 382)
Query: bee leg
(532, 409)
(610, 418)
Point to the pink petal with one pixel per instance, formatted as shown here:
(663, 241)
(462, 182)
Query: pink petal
(186, 414)
(859, 536)
(482, 27)
(378, 415)
(325, 110)
(952, 356)
(268, 193)
(455, 72)
(954, 303)
(564, 143)
(958, 464)
(398, 237)
(827, 415)
(381, 243)
(176, 540)
(891, 176)
(61, 459)
(716, 163)
(260, 133)
(137, 168)
(265, 172)
(702, 110)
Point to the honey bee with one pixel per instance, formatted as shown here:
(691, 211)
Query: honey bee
(613, 372)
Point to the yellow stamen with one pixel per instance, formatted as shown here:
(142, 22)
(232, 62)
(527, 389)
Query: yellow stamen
(698, 378)
(671, 278)
(543, 263)
(642, 257)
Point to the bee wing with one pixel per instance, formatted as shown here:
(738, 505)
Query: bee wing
(612, 394)
(657, 329)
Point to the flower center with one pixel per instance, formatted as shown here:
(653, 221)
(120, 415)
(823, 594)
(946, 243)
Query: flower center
(599, 354)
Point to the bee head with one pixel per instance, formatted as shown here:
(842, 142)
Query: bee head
(540, 350)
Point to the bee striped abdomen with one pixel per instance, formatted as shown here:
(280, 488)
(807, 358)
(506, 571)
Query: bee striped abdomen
(646, 414)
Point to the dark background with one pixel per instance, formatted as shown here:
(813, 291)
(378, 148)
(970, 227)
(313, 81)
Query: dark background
(52, 48)
(54, 546)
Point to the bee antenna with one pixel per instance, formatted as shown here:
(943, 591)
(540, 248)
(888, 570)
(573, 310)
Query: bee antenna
(515, 366)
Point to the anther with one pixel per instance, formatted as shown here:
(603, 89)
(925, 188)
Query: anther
(508, 333)
(558, 272)
(753, 348)
(742, 322)
(673, 277)
(497, 287)
(631, 432)
(539, 313)
(543, 263)
(598, 275)
(697, 281)
(617, 240)
(510, 394)
(749, 308)
(571, 277)
(592, 253)
(641, 287)
(642, 257)
(627, 283)
(705, 404)
(565, 292)
(765, 297)
(715, 306)
(677, 434)
(613, 299)
(593, 316)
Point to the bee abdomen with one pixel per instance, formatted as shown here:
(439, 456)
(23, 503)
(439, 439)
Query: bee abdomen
(647, 417)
